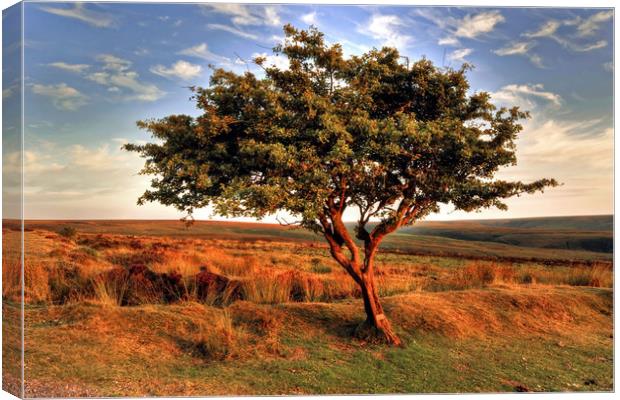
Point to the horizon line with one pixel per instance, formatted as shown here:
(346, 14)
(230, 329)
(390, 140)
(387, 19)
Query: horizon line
(275, 223)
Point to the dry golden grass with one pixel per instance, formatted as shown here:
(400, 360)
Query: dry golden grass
(509, 311)
(59, 270)
(283, 307)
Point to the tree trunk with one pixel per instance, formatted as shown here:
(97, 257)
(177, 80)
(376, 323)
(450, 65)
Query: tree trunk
(376, 325)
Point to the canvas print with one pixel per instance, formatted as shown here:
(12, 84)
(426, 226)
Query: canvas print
(206, 199)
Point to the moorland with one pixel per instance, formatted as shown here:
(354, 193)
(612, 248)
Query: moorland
(136, 308)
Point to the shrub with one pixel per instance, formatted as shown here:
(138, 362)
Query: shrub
(68, 232)
(143, 257)
(67, 282)
(99, 242)
(526, 278)
(320, 268)
(596, 276)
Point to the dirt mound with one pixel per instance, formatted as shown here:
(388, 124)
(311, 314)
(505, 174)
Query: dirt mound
(490, 312)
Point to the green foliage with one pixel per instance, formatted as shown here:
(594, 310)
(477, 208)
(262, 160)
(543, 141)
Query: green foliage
(331, 133)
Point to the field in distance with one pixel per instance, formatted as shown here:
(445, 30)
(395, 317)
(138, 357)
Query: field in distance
(578, 238)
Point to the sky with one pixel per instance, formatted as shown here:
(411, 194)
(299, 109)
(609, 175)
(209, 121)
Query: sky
(93, 69)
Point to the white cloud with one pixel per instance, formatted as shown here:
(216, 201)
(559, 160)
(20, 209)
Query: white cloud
(310, 18)
(385, 28)
(545, 30)
(9, 91)
(278, 61)
(608, 66)
(245, 14)
(448, 41)
(75, 68)
(525, 95)
(578, 154)
(86, 181)
(584, 28)
(271, 16)
(101, 78)
(63, 97)
(459, 55)
(80, 12)
(77, 172)
(536, 60)
(472, 26)
(514, 48)
(116, 74)
(579, 47)
(588, 47)
(113, 63)
(233, 30)
(592, 24)
(141, 51)
(240, 14)
(202, 51)
(521, 49)
(180, 69)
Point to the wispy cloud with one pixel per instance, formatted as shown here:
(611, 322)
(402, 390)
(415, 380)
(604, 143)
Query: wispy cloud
(545, 30)
(593, 46)
(75, 68)
(590, 25)
(181, 69)
(278, 61)
(246, 14)
(459, 55)
(10, 91)
(472, 26)
(80, 12)
(77, 171)
(525, 95)
(233, 30)
(113, 63)
(584, 27)
(448, 41)
(387, 30)
(608, 66)
(63, 96)
(577, 153)
(310, 18)
(116, 74)
(521, 49)
(202, 51)
(514, 48)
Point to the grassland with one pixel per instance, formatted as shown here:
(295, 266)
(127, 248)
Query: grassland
(279, 316)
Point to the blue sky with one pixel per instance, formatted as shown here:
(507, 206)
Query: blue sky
(93, 69)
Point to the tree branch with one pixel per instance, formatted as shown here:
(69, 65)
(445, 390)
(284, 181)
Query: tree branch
(336, 249)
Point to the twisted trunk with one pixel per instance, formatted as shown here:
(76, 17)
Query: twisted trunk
(376, 326)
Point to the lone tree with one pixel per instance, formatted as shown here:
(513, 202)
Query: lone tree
(328, 134)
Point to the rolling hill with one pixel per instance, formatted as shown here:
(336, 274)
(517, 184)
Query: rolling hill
(579, 238)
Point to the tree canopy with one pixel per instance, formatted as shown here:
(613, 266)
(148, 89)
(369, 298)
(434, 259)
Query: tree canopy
(371, 133)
